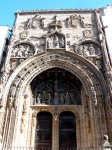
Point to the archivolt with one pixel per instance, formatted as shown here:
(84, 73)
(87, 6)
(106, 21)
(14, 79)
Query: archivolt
(33, 66)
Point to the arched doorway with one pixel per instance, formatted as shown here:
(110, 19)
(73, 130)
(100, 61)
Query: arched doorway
(67, 131)
(43, 137)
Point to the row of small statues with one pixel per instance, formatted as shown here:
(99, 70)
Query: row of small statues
(22, 51)
(88, 50)
(56, 42)
(63, 98)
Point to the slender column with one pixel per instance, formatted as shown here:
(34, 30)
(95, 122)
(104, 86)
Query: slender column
(33, 127)
(55, 132)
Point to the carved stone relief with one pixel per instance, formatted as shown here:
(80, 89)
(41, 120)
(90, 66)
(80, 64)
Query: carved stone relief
(35, 22)
(91, 52)
(55, 41)
(76, 20)
(22, 50)
(24, 35)
(88, 33)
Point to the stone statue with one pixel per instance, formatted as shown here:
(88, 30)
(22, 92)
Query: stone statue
(48, 98)
(91, 49)
(20, 51)
(50, 43)
(86, 52)
(99, 51)
(67, 98)
(80, 50)
(39, 99)
(61, 98)
(62, 42)
(56, 41)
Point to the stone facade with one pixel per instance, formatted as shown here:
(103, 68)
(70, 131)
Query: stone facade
(71, 41)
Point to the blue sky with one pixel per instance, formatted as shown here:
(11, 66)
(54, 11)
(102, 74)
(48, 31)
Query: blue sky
(9, 7)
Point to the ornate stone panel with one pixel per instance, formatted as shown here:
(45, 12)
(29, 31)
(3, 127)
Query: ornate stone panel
(46, 40)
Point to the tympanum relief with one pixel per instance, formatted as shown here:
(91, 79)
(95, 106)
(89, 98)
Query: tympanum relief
(91, 52)
(56, 91)
(22, 50)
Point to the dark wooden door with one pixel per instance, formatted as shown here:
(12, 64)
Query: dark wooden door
(67, 132)
(44, 131)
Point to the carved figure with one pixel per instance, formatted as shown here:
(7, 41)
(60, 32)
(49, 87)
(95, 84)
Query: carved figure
(48, 98)
(62, 42)
(39, 98)
(56, 41)
(91, 49)
(80, 50)
(13, 53)
(73, 100)
(99, 51)
(86, 52)
(20, 51)
(67, 98)
(50, 43)
(61, 98)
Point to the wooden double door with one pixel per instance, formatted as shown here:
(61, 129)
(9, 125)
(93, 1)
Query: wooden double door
(67, 131)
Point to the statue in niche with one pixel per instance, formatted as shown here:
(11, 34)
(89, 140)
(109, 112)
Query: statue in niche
(56, 41)
(67, 98)
(73, 100)
(48, 98)
(62, 42)
(62, 98)
(85, 49)
(50, 42)
(91, 49)
(39, 98)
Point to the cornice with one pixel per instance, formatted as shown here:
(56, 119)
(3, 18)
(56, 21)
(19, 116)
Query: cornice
(42, 11)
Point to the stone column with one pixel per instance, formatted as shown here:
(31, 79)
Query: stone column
(33, 127)
(55, 132)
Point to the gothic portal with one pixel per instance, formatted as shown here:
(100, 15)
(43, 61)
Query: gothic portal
(56, 82)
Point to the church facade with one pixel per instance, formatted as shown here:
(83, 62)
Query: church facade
(56, 82)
